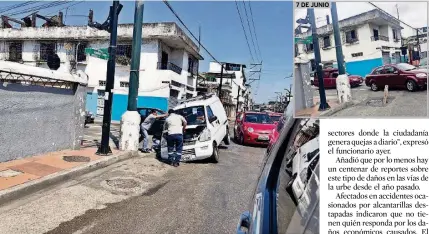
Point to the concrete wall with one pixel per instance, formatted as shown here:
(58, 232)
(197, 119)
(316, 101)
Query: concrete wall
(36, 119)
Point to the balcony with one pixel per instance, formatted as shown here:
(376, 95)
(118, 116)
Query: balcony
(169, 66)
(380, 38)
(351, 40)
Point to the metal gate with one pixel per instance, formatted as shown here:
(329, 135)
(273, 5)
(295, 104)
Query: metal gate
(386, 57)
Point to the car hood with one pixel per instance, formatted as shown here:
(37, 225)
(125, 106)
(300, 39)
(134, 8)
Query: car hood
(193, 132)
(261, 127)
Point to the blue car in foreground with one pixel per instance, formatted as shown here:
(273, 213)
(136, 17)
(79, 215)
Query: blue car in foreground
(286, 199)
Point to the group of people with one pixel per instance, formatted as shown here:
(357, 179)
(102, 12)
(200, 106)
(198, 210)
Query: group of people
(175, 125)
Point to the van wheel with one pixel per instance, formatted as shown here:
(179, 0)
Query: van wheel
(411, 85)
(227, 138)
(289, 189)
(215, 155)
(374, 86)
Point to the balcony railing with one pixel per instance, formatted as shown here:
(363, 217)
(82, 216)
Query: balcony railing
(170, 66)
(379, 38)
(351, 40)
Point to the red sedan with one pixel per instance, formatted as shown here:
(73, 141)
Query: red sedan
(400, 75)
(253, 128)
(330, 79)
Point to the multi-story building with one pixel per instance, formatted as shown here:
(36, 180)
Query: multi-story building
(369, 40)
(168, 67)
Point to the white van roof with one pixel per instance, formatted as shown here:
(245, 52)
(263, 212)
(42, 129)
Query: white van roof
(198, 101)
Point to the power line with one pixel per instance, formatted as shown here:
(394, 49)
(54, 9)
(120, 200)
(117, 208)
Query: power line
(250, 31)
(79, 2)
(254, 29)
(244, 31)
(12, 7)
(392, 15)
(40, 7)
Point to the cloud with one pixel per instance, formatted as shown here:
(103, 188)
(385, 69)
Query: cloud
(412, 13)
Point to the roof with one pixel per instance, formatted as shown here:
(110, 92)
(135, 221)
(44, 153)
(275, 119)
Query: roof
(201, 102)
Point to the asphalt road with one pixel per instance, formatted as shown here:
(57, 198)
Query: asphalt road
(401, 103)
(143, 195)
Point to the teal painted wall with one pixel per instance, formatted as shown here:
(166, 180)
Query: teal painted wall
(363, 67)
(120, 102)
(91, 102)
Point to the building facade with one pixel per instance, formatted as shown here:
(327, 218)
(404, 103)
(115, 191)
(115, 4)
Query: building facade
(369, 40)
(168, 67)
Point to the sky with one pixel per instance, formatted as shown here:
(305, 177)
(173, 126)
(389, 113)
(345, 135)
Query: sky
(221, 32)
(411, 13)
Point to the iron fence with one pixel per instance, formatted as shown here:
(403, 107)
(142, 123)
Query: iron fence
(25, 79)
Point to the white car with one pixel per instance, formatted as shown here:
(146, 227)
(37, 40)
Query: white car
(207, 128)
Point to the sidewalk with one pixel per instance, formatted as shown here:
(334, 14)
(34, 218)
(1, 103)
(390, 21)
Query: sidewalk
(27, 175)
(313, 112)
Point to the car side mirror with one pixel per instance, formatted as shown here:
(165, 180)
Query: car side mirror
(212, 119)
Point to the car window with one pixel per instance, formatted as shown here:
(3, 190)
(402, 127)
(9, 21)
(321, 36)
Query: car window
(378, 71)
(209, 112)
(334, 74)
(143, 112)
(389, 70)
(293, 213)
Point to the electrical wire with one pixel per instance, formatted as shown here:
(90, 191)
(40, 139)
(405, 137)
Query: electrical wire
(250, 31)
(76, 3)
(254, 30)
(40, 7)
(244, 31)
(12, 7)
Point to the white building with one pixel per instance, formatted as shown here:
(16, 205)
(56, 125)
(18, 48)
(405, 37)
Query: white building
(237, 84)
(369, 40)
(168, 67)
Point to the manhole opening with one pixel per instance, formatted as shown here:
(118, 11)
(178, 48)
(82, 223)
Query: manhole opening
(123, 183)
(378, 102)
(76, 159)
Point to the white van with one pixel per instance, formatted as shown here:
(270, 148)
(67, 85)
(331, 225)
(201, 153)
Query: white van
(207, 128)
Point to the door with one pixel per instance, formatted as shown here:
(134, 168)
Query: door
(164, 60)
(215, 126)
(392, 77)
(375, 31)
(386, 58)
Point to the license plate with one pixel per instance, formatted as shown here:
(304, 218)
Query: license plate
(263, 138)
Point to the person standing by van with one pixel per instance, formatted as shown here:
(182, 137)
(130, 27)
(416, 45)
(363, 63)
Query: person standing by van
(175, 125)
(145, 126)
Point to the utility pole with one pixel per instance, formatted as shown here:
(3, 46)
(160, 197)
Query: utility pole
(238, 100)
(337, 38)
(323, 104)
(400, 34)
(131, 118)
(112, 26)
(221, 80)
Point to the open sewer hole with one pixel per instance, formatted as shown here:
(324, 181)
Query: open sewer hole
(76, 159)
(123, 183)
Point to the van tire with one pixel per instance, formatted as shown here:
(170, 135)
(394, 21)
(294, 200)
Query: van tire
(215, 155)
(227, 139)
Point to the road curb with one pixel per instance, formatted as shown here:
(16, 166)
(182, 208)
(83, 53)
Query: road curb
(337, 109)
(28, 188)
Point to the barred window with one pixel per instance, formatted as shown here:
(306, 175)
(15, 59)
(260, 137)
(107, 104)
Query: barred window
(101, 83)
(124, 84)
(46, 49)
(124, 50)
(15, 51)
(81, 56)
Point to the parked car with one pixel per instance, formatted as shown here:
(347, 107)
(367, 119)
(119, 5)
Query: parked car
(207, 128)
(158, 126)
(273, 208)
(330, 79)
(401, 75)
(283, 123)
(275, 117)
(89, 117)
(253, 128)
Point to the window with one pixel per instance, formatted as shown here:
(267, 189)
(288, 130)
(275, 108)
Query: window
(101, 83)
(210, 112)
(81, 56)
(15, 51)
(394, 34)
(124, 50)
(389, 70)
(326, 42)
(378, 71)
(357, 54)
(46, 49)
(351, 36)
(124, 84)
(309, 47)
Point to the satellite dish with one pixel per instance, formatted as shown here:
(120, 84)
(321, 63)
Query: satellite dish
(54, 61)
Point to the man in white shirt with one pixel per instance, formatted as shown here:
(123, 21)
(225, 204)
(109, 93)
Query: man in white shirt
(175, 125)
